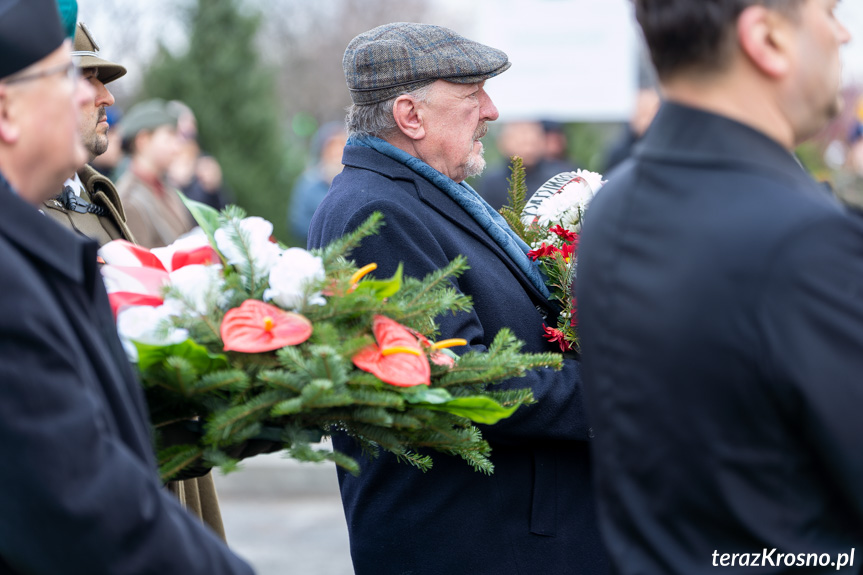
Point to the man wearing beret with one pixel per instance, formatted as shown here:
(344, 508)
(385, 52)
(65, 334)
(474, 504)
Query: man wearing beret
(154, 211)
(80, 493)
(419, 111)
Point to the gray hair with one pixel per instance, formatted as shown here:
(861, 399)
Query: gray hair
(377, 119)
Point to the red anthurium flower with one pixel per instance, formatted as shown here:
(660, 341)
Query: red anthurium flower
(397, 358)
(542, 251)
(564, 233)
(256, 327)
(555, 335)
(433, 349)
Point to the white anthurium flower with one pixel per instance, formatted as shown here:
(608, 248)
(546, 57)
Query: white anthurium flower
(291, 276)
(264, 253)
(147, 324)
(192, 240)
(197, 285)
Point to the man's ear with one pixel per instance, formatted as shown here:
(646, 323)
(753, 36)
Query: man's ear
(765, 38)
(9, 129)
(409, 117)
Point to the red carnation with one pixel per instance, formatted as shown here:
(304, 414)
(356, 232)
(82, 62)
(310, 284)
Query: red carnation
(542, 251)
(564, 234)
(555, 335)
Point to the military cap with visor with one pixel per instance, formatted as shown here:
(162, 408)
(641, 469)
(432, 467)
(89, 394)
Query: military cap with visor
(86, 56)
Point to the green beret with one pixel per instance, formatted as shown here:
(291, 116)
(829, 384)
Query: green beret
(147, 115)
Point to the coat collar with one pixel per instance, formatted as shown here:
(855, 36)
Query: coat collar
(369, 159)
(35, 234)
(694, 136)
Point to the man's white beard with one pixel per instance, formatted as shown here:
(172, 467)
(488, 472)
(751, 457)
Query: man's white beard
(475, 163)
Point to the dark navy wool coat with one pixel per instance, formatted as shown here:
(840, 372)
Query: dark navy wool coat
(720, 295)
(535, 514)
(79, 492)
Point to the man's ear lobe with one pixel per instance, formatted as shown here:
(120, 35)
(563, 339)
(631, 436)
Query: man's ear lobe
(765, 40)
(409, 117)
(9, 130)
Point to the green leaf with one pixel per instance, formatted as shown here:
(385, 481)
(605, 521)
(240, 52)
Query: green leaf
(476, 408)
(201, 360)
(431, 395)
(382, 289)
(205, 216)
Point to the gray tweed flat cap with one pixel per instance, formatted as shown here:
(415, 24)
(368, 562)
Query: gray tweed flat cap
(400, 57)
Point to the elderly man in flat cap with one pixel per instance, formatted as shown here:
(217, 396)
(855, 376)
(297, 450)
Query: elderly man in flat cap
(419, 111)
(80, 493)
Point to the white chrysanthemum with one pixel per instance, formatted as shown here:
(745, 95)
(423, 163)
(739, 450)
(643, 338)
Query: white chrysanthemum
(568, 205)
(593, 179)
(197, 284)
(291, 276)
(147, 324)
(264, 253)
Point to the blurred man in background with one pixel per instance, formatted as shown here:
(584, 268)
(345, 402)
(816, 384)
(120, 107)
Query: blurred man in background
(527, 140)
(720, 293)
(154, 211)
(194, 173)
(325, 163)
(80, 490)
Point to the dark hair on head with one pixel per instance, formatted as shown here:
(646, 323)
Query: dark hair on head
(694, 34)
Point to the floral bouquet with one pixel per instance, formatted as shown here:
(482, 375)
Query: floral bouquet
(549, 223)
(237, 339)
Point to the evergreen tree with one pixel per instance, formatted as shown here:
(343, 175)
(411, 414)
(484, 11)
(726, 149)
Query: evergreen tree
(222, 77)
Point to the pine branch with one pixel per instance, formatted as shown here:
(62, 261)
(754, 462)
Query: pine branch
(342, 247)
(176, 458)
(517, 195)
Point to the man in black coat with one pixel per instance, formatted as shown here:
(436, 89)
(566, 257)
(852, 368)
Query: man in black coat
(720, 294)
(79, 492)
(419, 110)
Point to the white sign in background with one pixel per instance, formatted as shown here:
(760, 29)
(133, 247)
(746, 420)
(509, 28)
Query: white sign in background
(572, 60)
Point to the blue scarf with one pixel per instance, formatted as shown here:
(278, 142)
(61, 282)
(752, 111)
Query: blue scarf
(470, 201)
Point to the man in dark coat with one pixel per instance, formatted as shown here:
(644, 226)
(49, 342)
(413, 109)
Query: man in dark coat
(80, 493)
(720, 297)
(419, 110)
